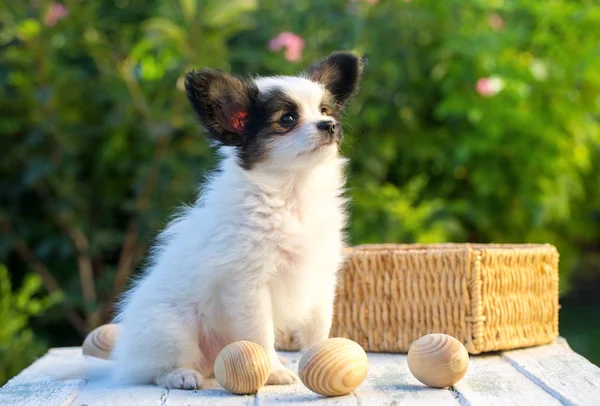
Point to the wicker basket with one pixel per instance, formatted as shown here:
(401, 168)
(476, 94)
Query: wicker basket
(490, 297)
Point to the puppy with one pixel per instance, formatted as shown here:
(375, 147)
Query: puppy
(260, 249)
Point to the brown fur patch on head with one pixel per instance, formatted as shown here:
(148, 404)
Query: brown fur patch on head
(263, 125)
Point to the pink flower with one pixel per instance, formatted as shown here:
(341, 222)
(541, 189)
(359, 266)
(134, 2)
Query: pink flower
(55, 12)
(488, 87)
(293, 44)
(496, 22)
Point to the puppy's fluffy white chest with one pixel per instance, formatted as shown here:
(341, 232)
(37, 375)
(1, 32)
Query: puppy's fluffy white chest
(248, 234)
(297, 230)
(306, 256)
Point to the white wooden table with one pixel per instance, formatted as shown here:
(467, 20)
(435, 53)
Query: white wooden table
(547, 375)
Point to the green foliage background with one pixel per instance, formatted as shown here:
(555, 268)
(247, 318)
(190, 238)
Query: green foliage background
(18, 346)
(99, 145)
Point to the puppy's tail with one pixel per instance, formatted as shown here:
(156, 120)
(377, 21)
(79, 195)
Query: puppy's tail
(85, 367)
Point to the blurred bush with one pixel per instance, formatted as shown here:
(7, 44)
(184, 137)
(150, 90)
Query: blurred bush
(477, 121)
(18, 346)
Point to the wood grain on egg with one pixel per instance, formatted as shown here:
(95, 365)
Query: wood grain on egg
(438, 360)
(101, 341)
(242, 367)
(333, 367)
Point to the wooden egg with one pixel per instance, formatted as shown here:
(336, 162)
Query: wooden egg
(333, 367)
(100, 342)
(438, 360)
(242, 367)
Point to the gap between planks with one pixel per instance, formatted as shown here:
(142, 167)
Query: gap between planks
(559, 371)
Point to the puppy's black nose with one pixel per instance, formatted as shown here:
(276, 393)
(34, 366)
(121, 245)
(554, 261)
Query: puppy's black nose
(327, 126)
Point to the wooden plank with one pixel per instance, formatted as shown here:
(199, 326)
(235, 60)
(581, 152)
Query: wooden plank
(32, 388)
(493, 381)
(390, 382)
(211, 395)
(102, 393)
(542, 375)
(291, 395)
(40, 393)
(561, 372)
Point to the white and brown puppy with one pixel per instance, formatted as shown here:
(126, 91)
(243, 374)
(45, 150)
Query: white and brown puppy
(261, 247)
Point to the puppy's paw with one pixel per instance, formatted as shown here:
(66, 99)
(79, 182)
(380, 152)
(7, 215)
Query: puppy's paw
(282, 376)
(180, 378)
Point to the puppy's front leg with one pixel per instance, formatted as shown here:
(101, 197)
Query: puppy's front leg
(252, 318)
(317, 329)
(318, 326)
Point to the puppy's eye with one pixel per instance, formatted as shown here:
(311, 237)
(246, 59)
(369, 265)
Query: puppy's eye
(324, 111)
(287, 120)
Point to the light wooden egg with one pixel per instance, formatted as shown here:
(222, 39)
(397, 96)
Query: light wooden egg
(438, 360)
(333, 367)
(242, 367)
(100, 342)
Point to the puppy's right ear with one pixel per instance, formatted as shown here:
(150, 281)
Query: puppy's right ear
(222, 102)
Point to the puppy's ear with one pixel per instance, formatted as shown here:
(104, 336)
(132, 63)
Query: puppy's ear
(222, 102)
(340, 73)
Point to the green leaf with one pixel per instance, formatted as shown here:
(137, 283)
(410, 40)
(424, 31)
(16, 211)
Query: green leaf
(162, 30)
(28, 29)
(222, 14)
(189, 9)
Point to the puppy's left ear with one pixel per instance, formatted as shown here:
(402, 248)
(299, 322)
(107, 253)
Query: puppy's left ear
(340, 73)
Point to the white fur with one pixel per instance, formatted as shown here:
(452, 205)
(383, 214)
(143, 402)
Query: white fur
(258, 251)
